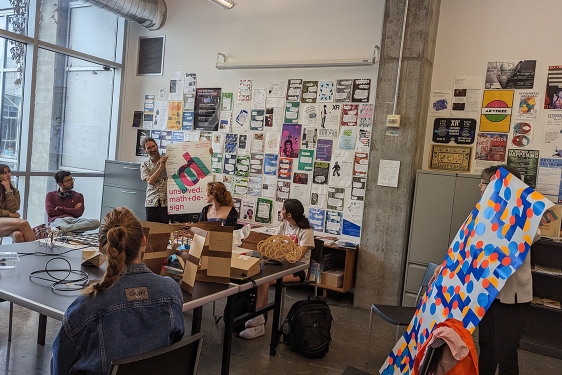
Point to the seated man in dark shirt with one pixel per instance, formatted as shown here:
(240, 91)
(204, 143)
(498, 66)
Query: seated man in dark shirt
(65, 206)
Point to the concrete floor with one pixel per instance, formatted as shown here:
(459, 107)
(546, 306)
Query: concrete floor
(349, 333)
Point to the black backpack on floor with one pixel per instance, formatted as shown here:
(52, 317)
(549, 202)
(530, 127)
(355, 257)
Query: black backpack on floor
(306, 329)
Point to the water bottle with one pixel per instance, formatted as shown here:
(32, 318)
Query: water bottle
(8, 260)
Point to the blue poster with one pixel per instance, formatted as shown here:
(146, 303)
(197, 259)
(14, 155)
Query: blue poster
(334, 221)
(316, 218)
(177, 137)
(231, 143)
(270, 164)
(349, 228)
(187, 120)
(229, 164)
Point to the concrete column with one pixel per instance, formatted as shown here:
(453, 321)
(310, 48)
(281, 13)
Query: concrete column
(386, 219)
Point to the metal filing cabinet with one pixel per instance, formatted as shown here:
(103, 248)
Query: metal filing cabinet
(442, 202)
(122, 186)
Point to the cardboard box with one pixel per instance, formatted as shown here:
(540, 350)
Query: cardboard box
(333, 277)
(244, 266)
(251, 242)
(209, 257)
(157, 239)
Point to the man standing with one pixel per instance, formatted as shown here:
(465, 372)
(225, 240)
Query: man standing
(64, 206)
(153, 171)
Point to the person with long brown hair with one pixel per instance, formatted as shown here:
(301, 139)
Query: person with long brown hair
(10, 222)
(296, 226)
(129, 312)
(220, 207)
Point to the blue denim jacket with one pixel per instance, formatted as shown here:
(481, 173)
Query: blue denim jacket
(141, 312)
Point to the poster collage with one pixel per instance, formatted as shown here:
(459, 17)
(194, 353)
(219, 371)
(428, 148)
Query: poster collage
(301, 139)
(510, 130)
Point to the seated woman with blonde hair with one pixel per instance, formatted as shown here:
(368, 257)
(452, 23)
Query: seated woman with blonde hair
(220, 207)
(10, 222)
(130, 312)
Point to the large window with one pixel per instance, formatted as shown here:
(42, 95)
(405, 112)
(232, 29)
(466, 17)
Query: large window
(60, 105)
(80, 27)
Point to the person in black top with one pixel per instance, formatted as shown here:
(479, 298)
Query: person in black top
(220, 207)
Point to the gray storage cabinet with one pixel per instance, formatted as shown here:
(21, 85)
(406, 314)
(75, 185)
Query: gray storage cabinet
(122, 186)
(442, 202)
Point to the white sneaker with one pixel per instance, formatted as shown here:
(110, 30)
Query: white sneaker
(254, 322)
(253, 332)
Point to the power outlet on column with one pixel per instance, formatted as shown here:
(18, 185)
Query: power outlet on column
(393, 121)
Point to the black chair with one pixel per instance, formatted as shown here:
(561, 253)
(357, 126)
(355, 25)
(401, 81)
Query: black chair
(180, 358)
(317, 256)
(399, 315)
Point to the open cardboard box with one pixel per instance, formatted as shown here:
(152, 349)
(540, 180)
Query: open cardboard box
(209, 257)
(157, 241)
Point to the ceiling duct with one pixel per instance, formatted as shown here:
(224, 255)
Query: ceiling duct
(148, 13)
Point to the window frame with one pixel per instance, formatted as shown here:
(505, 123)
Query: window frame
(27, 110)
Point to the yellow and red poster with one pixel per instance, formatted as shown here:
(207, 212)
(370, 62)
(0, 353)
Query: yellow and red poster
(174, 115)
(189, 171)
(496, 111)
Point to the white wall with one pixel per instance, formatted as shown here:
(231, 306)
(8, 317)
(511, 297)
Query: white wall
(254, 30)
(471, 33)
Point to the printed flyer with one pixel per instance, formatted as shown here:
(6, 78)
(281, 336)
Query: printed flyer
(207, 104)
(527, 163)
(361, 90)
(309, 91)
(502, 75)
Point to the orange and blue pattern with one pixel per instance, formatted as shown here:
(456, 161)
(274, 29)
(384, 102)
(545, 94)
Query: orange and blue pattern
(491, 244)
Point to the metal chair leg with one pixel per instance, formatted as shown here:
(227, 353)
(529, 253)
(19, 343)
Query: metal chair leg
(215, 317)
(10, 321)
(281, 320)
(369, 339)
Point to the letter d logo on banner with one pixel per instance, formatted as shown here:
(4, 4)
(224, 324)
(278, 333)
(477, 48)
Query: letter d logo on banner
(190, 173)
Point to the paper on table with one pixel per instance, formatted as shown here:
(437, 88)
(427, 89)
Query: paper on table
(388, 173)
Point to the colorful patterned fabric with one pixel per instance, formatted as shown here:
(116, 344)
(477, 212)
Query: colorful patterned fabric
(491, 244)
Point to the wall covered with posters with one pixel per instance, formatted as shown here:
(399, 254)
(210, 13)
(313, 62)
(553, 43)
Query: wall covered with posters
(496, 91)
(276, 133)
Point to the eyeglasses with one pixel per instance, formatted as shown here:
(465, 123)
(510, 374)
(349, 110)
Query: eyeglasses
(69, 180)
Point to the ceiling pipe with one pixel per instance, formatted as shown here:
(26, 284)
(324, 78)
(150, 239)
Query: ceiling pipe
(148, 13)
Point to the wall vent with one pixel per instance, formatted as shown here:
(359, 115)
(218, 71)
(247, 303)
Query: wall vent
(151, 56)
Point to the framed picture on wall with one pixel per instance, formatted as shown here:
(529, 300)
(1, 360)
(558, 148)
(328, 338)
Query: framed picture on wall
(450, 158)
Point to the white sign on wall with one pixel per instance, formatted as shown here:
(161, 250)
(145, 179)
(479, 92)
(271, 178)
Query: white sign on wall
(189, 171)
